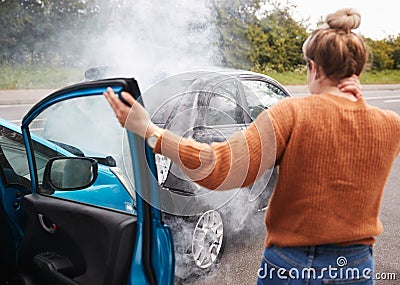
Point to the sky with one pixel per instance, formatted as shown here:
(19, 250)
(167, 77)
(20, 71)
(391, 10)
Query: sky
(379, 18)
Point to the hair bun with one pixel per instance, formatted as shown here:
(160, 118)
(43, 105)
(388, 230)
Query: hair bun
(344, 19)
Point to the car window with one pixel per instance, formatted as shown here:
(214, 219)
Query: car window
(13, 157)
(86, 126)
(12, 153)
(261, 95)
(224, 106)
(42, 155)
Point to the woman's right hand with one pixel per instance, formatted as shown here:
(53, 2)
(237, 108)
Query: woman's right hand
(134, 118)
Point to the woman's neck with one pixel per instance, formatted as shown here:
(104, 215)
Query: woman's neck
(328, 87)
(335, 91)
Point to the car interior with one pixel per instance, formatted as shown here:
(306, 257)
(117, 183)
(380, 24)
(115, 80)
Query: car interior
(60, 243)
(47, 240)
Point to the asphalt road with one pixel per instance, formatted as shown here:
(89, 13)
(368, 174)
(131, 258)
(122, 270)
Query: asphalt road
(242, 254)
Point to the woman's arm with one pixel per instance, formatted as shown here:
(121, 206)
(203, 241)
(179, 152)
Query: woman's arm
(231, 164)
(235, 163)
(238, 161)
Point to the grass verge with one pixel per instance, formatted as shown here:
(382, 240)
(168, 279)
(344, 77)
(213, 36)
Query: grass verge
(38, 77)
(368, 77)
(43, 77)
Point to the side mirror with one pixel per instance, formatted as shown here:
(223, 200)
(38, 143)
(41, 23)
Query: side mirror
(69, 173)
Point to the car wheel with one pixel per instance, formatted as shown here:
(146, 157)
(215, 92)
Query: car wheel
(208, 239)
(196, 233)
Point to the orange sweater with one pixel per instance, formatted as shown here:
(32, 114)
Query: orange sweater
(334, 158)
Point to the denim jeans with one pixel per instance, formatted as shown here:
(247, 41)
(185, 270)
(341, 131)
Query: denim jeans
(324, 264)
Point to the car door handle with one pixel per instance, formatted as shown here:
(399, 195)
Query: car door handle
(46, 224)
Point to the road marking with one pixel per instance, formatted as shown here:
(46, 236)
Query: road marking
(20, 120)
(391, 101)
(36, 129)
(382, 97)
(16, 105)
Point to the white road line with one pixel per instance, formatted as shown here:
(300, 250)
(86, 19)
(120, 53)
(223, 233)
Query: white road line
(20, 120)
(382, 97)
(391, 101)
(16, 105)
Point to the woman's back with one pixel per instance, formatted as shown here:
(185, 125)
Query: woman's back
(335, 156)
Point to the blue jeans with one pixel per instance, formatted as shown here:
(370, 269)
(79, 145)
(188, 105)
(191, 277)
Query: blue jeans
(324, 264)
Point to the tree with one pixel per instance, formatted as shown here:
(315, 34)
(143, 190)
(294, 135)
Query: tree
(232, 18)
(396, 51)
(251, 37)
(32, 31)
(276, 41)
(381, 54)
(17, 29)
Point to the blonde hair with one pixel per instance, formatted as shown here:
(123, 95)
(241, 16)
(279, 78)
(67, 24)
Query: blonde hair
(335, 48)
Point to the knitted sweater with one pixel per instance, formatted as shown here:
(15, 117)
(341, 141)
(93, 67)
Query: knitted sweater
(334, 158)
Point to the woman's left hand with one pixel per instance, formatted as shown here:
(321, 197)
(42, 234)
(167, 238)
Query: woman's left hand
(352, 85)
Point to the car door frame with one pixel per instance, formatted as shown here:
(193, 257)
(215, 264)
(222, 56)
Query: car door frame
(153, 257)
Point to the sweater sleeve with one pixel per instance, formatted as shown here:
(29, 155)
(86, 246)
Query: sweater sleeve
(237, 162)
(283, 117)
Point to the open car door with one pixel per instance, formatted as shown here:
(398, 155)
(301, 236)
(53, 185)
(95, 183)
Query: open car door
(75, 230)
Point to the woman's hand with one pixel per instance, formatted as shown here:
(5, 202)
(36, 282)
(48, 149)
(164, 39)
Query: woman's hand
(352, 85)
(134, 118)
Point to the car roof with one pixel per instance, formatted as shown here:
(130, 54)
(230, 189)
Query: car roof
(207, 73)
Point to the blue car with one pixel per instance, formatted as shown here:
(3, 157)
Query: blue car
(68, 213)
(111, 184)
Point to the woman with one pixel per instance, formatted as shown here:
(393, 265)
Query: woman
(334, 153)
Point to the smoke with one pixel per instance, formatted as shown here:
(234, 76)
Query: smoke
(150, 39)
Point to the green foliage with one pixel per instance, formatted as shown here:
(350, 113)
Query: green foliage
(44, 33)
(37, 31)
(385, 54)
(396, 51)
(250, 38)
(272, 40)
(231, 20)
(276, 41)
(31, 77)
(381, 53)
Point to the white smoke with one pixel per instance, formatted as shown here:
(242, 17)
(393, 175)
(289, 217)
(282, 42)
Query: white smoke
(149, 39)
